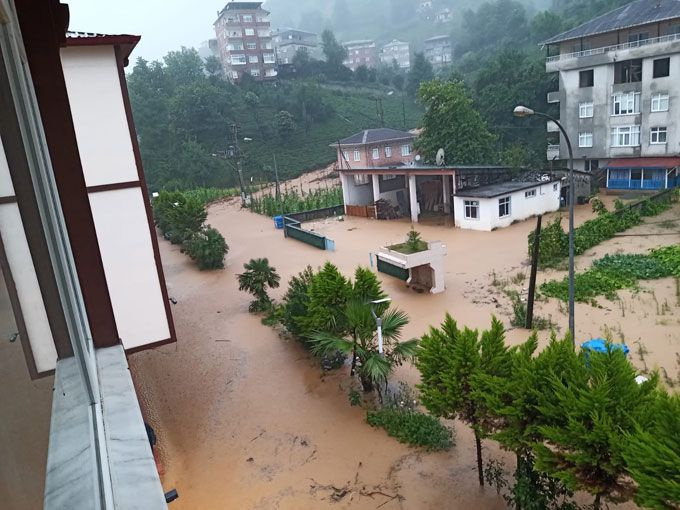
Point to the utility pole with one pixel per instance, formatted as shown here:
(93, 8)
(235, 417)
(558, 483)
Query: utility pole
(532, 279)
(379, 111)
(239, 165)
(278, 196)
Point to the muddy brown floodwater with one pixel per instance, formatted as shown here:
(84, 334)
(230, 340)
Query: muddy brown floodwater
(246, 420)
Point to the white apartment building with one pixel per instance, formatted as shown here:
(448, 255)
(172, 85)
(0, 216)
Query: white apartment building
(398, 51)
(619, 94)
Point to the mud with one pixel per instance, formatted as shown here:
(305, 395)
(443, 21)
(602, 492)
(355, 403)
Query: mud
(246, 420)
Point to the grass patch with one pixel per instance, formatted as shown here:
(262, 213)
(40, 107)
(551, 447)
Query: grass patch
(408, 249)
(412, 427)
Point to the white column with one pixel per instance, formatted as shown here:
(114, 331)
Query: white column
(413, 198)
(445, 193)
(345, 189)
(376, 187)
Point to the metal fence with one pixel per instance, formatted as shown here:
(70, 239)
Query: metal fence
(317, 214)
(392, 269)
(293, 229)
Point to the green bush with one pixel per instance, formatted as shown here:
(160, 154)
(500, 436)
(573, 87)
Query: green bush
(208, 195)
(294, 202)
(178, 216)
(412, 427)
(207, 248)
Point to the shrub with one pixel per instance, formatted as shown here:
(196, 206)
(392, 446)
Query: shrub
(296, 301)
(598, 206)
(412, 427)
(178, 216)
(207, 248)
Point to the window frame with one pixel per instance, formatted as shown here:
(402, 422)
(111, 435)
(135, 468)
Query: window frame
(249, 32)
(633, 131)
(588, 82)
(406, 150)
(530, 193)
(583, 139)
(253, 59)
(375, 153)
(659, 99)
(504, 205)
(345, 155)
(629, 99)
(388, 151)
(667, 61)
(584, 108)
(468, 207)
(658, 131)
(251, 45)
(357, 155)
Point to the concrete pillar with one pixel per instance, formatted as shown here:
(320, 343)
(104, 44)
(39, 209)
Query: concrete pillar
(345, 189)
(413, 198)
(376, 187)
(445, 193)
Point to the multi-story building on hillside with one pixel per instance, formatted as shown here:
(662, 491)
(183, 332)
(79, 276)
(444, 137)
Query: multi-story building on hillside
(244, 41)
(439, 51)
(619, 94)
(375, 148)
(398, 51)
(287, 42)
(360, 53)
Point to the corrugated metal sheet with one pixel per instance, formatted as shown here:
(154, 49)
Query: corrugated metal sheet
(643, 163)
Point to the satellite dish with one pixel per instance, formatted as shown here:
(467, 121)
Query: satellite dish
(440, 157)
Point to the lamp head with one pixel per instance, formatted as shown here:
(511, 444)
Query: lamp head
(522, 111)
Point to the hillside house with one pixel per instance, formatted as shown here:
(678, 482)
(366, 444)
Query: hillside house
(360, 53)
(375, 148)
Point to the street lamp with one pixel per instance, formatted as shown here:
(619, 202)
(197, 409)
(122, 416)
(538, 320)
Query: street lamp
(521, 112)
(378, 321)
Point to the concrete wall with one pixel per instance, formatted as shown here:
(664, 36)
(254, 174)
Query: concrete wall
(356, 194)
(547, 199)
(366, 155)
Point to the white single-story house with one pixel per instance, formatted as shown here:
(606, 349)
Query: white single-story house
(500, 205)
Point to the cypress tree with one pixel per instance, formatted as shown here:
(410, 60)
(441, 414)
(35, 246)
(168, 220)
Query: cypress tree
(329, 292)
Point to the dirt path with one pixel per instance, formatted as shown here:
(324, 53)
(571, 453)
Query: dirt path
(244, 417)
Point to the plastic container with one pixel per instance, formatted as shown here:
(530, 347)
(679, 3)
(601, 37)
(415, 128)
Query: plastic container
(278, 222)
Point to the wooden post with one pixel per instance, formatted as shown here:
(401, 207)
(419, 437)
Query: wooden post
(534, 269)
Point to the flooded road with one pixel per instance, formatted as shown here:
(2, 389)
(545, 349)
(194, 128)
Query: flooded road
(246, 420)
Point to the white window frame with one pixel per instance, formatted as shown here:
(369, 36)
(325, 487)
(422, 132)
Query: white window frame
(357, 155)
(530, 194)
(585, 110)
(504, 203)
(625, 103)
(469, 206)
(585, 139)
(253, 59)
(388, 152)
(255, 72)
(251, 46)
(345, 155)
(660, 102)
(249, 32)
(376, 153)
(621, 133)
(406, 150)
(655, 135)
(555, 187)
(247, 18)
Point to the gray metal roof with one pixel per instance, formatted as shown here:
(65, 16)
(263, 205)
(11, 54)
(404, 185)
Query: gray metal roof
(368, 136)
(639, 12)
(502, 188)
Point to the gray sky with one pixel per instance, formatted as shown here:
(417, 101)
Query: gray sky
(164, 25)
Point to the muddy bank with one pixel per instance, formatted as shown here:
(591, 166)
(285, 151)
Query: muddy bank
(246, 420)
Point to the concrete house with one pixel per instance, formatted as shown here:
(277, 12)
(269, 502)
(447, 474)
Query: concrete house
(398, 51)
(375, 148)
(438, 51)
(619, 94)
(287, 42)
(360, 53)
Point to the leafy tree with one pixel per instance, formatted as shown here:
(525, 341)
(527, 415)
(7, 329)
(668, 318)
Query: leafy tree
(398, 81)
(420, 72)
(545, 25)
(252, 100)
(178, 216)
(183, 67)
(208, 248)
(284, 125)
(295, 302)
(367, 287)
(213, 67)
(361, 73)
(588, 408)
(335, 53)
(652, 454)
(452, 123)
(329, 293)
(257, 277)
(493, 25)
(361, 341)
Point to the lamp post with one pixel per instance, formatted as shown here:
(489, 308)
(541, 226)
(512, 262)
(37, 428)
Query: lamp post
(521, 112)
(378, 321)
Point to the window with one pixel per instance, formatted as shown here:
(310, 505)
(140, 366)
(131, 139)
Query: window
(251, 46)
(388, 152)
(586, 79)
(247, 18)
(660, 103)
(472, 209)
(625, 103)
(253, 59)
(629, 71)
(405, 150)
(255, 72)
(638, 39)
(555, 187)
(376, 153)
(357, 155)
(361, 179)
(268, 58)
(504, 206)
(238, 59)
(662, 67)
(530, 194)
(585, 139)
(236, 46)
(585, 110)
(626, 136)
(658, 135)
(250, 31)
(345, 155)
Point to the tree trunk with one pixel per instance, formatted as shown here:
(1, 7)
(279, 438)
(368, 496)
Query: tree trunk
(596, 504)
(480, 466)
(366, 383)
(354, 359)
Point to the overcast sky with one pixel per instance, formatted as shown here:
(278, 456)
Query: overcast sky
(164, 25)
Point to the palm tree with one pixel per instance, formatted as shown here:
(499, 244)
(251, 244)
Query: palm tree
(361, 341)
(258, 275)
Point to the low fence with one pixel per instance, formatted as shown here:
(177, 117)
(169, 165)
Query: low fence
(362, 211)
(318, 214)
(293, 229)
(392, 269)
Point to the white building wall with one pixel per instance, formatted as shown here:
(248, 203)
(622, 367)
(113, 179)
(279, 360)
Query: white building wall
(547, 199)
(357, 194)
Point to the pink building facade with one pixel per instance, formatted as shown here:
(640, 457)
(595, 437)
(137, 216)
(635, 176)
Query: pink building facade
(361, 53)
(373, 148)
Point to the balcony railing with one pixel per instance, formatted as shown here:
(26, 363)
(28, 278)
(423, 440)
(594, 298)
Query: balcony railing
(616, 47)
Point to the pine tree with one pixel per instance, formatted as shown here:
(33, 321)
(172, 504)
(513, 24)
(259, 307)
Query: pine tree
(588, 405)
(366, 286)
(652, 454)
(329, 293)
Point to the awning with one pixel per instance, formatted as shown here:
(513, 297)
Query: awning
(659, 163)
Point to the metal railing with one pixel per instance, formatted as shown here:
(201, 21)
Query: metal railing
(616, 47)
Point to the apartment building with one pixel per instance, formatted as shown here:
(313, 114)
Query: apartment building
(287, 42)
(360, 53)
(619, 94)
(438, 51)
(375, 148)
(244, 41)
(398, 51)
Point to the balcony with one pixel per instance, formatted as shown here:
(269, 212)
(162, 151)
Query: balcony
(553, 152)
(554, 97)
(605, 54)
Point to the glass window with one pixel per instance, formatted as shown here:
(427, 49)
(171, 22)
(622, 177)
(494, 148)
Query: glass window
(585, 139)
(251, 46)
(388, 152)
(625, 136)
(660, 103)
(376, 153)
(405, 150)
(504, 206)
(529, 194)
(628, 71)
(658, 135)
(586, 78)
(357, 155)
(255, 72)
(345, 155)
(625, 103)
(585, 110)
(247, 18)
(250, 31)
(472, 209)
(253, 59)
(662, 67)
(555, 187)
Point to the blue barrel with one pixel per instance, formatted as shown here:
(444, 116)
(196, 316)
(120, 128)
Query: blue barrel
(278, 222)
